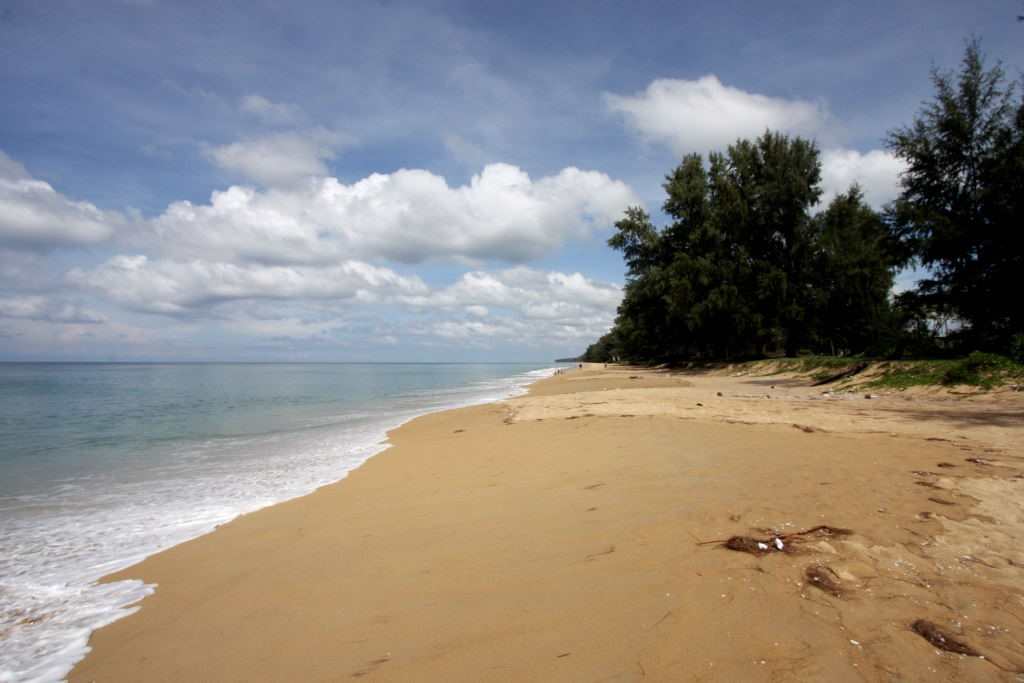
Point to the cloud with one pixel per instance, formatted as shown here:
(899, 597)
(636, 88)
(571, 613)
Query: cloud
(176, 287)
(464, 329)
(407, 216)
(276, 113)
(464, 151)
(521, 303)
(704, 114)
(35, 216)
(34, 307)
(531, 292)
(282, 159)
(284, 328)
(877, 172)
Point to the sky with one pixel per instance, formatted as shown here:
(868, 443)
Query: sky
(340, 181)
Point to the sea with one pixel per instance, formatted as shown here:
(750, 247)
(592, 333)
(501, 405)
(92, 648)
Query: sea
(102, 465)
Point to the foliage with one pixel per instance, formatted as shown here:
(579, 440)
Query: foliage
(1017, 348)
(743, 268)
(853, 273)
(983, 370)
(960, 210)
(602, 351)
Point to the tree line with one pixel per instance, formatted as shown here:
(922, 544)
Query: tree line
(749, 264)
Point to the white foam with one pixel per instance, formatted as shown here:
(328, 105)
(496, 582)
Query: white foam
(55, 547)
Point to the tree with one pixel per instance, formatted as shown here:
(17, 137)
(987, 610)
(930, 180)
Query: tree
(959, 212)
(854, 264)
(777, 179)
(730, 274)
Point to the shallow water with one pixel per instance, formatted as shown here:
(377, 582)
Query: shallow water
(102, 465)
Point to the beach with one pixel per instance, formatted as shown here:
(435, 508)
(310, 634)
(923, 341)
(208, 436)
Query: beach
(578, 533)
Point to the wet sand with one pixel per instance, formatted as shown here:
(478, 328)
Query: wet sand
(576, 534)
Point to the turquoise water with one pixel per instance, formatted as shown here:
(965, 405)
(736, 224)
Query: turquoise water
(104, 464)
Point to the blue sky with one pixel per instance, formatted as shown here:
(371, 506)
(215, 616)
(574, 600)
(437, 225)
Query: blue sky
(428, 181)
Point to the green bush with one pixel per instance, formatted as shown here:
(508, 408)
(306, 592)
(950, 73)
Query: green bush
(1017, 348)
(979, 369)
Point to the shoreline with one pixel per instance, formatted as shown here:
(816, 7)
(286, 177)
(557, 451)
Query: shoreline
(58, 650)
(515, 540)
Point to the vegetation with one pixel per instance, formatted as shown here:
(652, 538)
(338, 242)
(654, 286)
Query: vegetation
(961, 212)
(744, 268)
(984, 370)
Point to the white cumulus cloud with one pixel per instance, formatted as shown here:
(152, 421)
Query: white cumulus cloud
(519, 303)
(178, 287)
(704, 114)
(33, 215)
(281, 158)
(408, 216)
(877, 172)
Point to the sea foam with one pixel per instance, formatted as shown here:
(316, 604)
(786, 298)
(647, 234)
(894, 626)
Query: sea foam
(56, 545)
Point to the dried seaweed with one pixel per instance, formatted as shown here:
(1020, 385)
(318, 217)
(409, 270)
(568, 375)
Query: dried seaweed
(941, 639)
(747, 544)
(824, 579)
(779, 543)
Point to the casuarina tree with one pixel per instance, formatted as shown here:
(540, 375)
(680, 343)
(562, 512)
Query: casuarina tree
(960, 210)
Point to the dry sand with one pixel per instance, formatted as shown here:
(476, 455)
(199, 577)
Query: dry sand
(569, 535)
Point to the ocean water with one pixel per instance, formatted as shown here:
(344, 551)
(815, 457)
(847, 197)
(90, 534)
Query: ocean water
(102, 465)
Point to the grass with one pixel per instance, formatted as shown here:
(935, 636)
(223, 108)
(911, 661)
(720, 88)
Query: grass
(819, 367)
(982, 370)
(914, 373)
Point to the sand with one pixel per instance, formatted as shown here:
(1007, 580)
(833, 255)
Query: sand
(574, 534)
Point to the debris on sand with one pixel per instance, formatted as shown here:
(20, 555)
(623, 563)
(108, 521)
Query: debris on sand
(945, 464)
(941, 639)
(979, 461)
(804, 428)
(748, 544)
(779, 543)
(824, 579)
